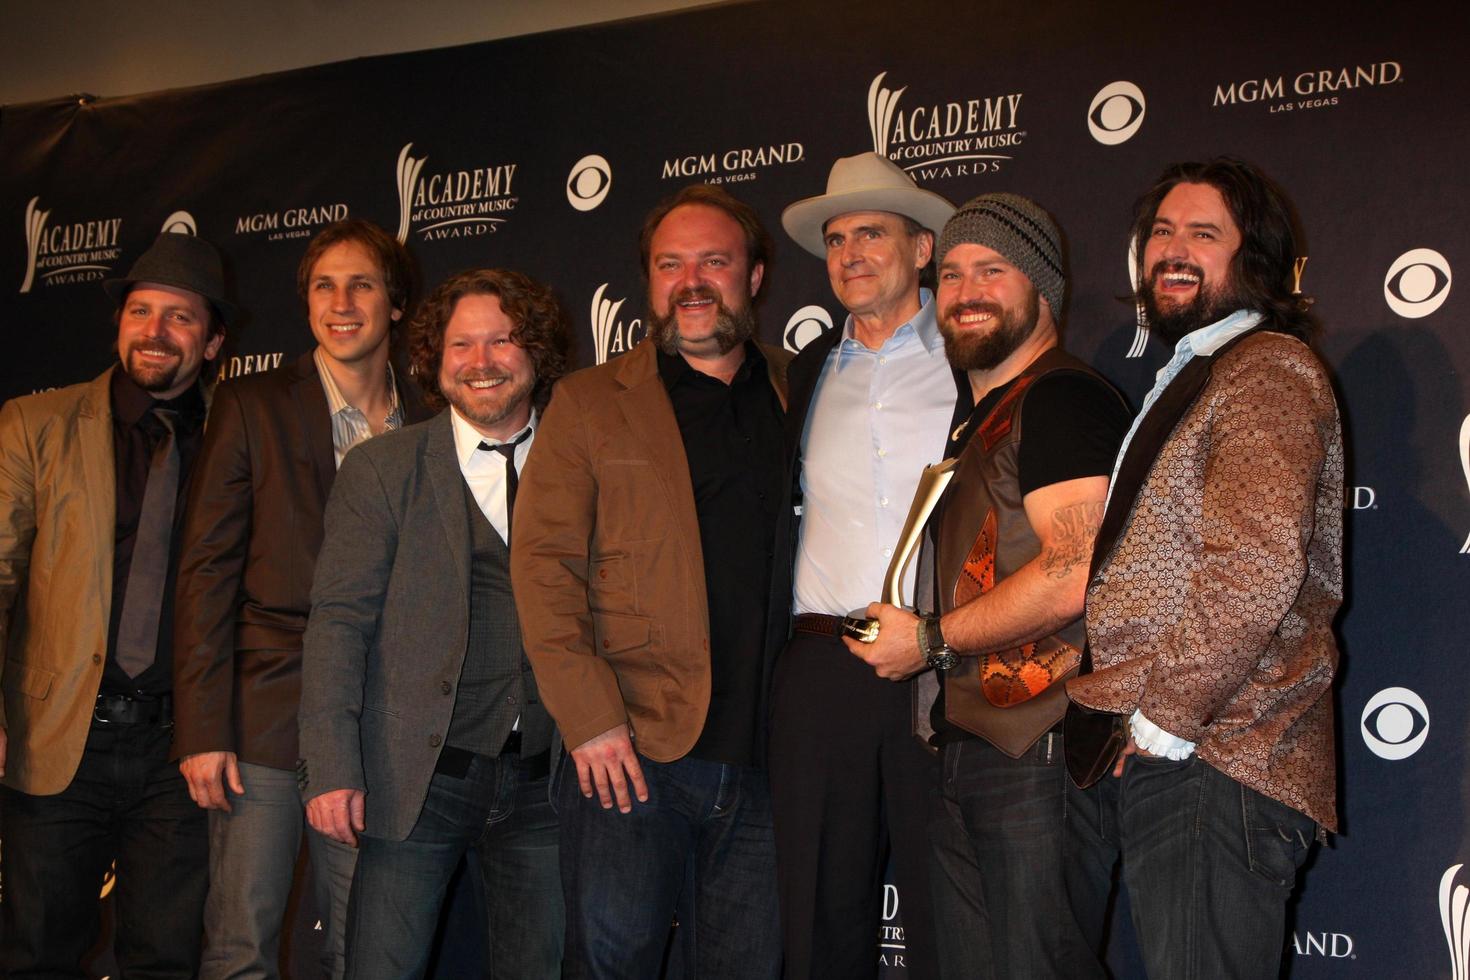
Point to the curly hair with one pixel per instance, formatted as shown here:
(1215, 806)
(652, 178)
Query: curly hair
(541, 328)
(1269, 229)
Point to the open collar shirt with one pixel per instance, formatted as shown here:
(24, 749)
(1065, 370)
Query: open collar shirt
(878, 417)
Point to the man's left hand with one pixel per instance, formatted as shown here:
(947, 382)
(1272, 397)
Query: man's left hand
(895, 654)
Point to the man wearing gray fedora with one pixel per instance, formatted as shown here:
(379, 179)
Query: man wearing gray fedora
(91, 478)
(870, 405)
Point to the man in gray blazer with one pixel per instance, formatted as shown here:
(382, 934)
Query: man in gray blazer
(422, 734)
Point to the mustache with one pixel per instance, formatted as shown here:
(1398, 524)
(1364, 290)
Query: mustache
(160, 345)
(955, 310)
(688, 293)
(466, 376)
(1165, 266)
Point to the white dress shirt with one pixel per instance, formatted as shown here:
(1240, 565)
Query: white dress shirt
(877, 418)
(484, 471)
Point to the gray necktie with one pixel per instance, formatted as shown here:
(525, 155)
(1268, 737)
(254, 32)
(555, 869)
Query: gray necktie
(137, 629)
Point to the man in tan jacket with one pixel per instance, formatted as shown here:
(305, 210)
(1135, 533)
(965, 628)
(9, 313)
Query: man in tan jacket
(91, 480)
(1216, 575)
(645, 533)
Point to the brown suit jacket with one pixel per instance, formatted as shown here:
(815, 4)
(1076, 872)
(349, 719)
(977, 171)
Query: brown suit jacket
(57, 516)
(607, 564)
(252, 530)
(1213, 613)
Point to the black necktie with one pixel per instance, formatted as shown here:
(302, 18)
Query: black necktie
(137, 628)
(508, 450)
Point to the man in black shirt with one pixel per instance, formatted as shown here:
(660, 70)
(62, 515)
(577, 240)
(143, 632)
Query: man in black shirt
(91, 479)
(642, 561)
(1008, 551)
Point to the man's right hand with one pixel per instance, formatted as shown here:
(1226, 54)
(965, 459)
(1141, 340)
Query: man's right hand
(339, 814)
(601, 763)
(206, 773)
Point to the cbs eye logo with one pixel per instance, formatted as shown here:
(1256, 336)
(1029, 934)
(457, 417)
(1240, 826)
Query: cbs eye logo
(1417, 283)
(1116, 113)
(805, 326)
(589, 182)
(1395, 723)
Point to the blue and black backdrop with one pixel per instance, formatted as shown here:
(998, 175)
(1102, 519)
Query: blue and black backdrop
(543, 153)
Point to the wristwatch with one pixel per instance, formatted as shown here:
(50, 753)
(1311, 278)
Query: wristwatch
(937, 654)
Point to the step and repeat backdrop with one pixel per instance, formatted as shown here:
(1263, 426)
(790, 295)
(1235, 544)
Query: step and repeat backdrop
(543, 153)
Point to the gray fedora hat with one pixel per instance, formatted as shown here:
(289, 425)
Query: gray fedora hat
(184, 262)
(866, 182)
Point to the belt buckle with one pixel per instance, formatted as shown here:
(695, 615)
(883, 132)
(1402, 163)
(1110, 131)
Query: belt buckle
(860, 628)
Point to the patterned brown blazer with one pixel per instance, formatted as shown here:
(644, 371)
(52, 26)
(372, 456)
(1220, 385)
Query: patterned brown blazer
(1213, 613)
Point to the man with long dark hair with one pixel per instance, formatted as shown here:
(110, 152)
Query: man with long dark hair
(1215, 579)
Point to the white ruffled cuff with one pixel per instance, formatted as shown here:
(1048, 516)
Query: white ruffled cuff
(1155, 741)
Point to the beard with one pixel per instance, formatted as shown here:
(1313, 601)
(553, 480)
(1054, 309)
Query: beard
(732, 327)
(491, 406)
(976, 350)
(153, 377)
(1211, 302)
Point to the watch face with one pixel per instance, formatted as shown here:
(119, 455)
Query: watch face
(943, 659)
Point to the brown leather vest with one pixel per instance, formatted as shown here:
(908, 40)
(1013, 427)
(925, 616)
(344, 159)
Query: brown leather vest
(1011, 697)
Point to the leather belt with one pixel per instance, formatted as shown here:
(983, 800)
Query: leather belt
(817, 624)
(128, 709)
(455, 761)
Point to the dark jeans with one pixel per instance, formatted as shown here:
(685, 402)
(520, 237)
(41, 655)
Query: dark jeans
(399, 887)
(996, 838)
(128, 804)
(847, 777)
(625, 874)
(1208, 865)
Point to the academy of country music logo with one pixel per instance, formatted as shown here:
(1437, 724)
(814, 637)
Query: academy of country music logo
(732, 166)
(1395, 723)
(1417, 283)
(68, 251)
(1454, 916)
(588, 182)
(805, 326)
(1465, 467)
(238, 364)
(300, 222)
(892, 946)
(1116, 113)
(453, 202)
(1314, 88)
(179, 223)
(611, 335)
(933, 140)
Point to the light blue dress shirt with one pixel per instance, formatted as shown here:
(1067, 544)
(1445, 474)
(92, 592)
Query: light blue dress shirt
(878, 417)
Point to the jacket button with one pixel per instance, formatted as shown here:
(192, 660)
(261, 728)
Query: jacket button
(510, 700)
(602, 573)
(434, 740)
(445, 687)
(606, 644)
(96, 658)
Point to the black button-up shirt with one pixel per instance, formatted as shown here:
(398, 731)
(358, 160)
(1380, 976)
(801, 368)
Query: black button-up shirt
(136, 431)
(732, 438)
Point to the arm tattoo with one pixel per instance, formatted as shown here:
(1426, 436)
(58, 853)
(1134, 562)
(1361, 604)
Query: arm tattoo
(1074, 529)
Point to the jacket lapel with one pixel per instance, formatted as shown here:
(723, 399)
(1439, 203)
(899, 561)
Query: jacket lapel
(94, 446)
(316, 422)
(1153, 432)
(650, 417)
(441, 461)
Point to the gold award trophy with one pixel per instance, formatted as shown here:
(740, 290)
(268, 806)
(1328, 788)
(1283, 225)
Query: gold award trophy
(932, 483)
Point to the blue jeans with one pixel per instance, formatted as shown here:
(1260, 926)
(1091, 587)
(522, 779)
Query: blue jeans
(127, 803)
(1208, 864)
(625, 874)
(996, 843)
(252, 865)
(400, 886)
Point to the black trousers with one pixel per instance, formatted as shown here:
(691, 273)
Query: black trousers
(848, 779)
(129, 804)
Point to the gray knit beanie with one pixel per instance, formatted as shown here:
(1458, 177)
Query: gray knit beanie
(1019, 230)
